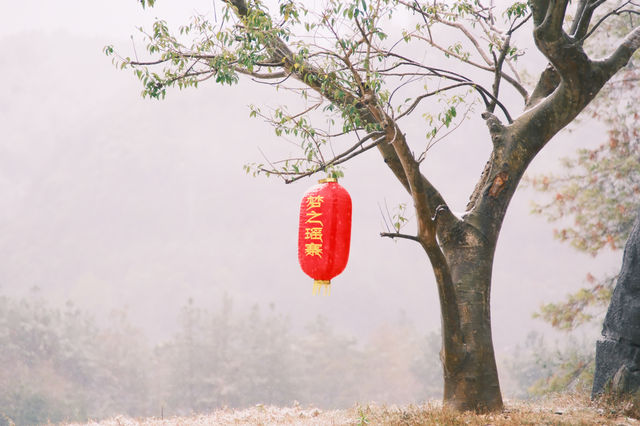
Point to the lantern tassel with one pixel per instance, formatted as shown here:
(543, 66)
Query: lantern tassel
(318, 285)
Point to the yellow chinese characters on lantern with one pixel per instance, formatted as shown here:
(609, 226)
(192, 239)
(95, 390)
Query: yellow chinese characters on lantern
(313, 230)
(313, 249)
(313, 234)
(313, 202)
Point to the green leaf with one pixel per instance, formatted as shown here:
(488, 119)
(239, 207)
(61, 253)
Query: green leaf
(149, 3)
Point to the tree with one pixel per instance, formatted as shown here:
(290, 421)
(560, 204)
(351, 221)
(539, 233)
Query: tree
(266, 359)
(600, 193)
(187, 356)
(350, 70)
(598, 190)
(333, 367)
(595, 200)
(59, 365)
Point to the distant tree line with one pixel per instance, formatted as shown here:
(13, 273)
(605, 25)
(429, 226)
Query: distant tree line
(59, 364)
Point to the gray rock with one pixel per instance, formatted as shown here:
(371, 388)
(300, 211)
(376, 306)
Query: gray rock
(618, 352)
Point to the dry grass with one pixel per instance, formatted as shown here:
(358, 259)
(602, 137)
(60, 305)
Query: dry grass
(560, 410)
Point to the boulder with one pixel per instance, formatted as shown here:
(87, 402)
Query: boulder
(618, 351)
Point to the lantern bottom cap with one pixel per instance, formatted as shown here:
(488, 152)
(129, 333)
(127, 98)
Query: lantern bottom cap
(318, 285)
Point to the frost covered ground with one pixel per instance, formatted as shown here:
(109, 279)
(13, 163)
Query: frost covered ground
(560, 410)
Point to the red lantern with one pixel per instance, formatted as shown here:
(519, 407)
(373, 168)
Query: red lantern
(324, 233)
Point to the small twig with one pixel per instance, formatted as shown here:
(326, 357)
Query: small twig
(432, 143)
(617, 11)
(524, 21)
(382, 214)
(426, 95)
(498, 72)
(269, 161)
(398, 235)
(135, 52)
(341, 160)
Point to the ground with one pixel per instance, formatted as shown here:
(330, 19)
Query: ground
(558, 410)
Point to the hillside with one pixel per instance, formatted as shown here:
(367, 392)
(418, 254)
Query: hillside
(560, 410)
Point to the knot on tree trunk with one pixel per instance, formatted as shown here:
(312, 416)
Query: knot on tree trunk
(496, 128)
(498, 184)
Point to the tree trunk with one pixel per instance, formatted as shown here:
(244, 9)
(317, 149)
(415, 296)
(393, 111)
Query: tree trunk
(473, 384)
(470, 375)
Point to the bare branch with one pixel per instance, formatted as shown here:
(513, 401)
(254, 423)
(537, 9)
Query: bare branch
(484, 93)
(398, 235)
(616, 12)
(498, 73)
(339, 159)
(454, 24)
(515, 28)
(511, 80)
(490, 64)
(427, 95)
(432, 143)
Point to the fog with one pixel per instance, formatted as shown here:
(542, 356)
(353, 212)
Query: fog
(114, 202)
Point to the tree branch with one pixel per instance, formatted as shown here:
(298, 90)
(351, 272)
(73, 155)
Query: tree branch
(485, 94)
(262, 76)
(427, 200)
(548, 17)
(547, 83)
(580, 23)
(491, 65)
(339, 159)
(398, 235)
(618, 11)
(511, 80)
(620, 57)
(498, 73)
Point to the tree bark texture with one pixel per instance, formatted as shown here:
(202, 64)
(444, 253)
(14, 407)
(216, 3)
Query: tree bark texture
(471, 381)
(618, 352)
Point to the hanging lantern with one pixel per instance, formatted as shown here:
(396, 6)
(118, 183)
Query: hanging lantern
(324, 233)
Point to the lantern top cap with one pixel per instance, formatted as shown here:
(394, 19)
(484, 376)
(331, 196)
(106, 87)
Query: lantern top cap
(328, 180)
